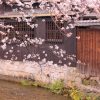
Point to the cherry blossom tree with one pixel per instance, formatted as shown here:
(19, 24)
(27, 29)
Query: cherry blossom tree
(63, 10)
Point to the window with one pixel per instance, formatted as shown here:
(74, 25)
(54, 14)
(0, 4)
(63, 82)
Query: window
(24, 29)
(19, 27)
(53, 31)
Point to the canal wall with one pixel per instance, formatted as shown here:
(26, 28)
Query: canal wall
(44, 72)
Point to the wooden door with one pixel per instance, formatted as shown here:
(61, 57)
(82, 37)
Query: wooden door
(88, 50)
(98, 51)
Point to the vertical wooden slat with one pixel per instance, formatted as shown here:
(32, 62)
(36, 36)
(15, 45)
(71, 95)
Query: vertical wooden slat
(98, 51)
(88, 51)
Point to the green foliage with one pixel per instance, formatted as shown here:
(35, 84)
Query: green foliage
(40, 84)
(97, 98)
(25, 83)
(35, 83)
(88, 97)
(92, 96)
(75, 94)
(57, 87)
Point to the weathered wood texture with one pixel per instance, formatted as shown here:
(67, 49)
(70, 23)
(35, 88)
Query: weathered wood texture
(88, 51)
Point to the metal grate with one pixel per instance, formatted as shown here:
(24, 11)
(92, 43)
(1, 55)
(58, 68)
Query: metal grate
(53, 32)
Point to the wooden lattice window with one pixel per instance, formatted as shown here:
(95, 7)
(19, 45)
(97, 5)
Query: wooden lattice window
(10, 34)
(53, 31)
(19, 27)
(24, 29)
(2, 30)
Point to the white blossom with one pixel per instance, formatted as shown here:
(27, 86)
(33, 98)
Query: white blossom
(69, 63)
(4, 46)
(43, 20)
(4, 40)
(78, 61)
(0, 1)
(43, 51)
(12, 48)
(8, 30)
(36, 25)
(38, 58)
(24, 55)
(26, 35)
(67, 27)
(60, 61)
(32, 26)
(22, 45)
(6, 52)
(10, 51)
(63, 28)
(62, 55)
(14, 39)
(56, 47)
(5, 56)
(51, 47)
(3, 33)
(50, 63)
(28, 56)
(71, 26)
(64, 58)
(69, 34)
(24, 60)
(78, 37)
(19, 19)
(18, 51)
(46, 55)
(44, 60)
(17, 32)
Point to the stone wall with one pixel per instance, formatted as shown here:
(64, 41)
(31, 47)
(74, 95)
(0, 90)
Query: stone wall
(42, 72)
(45, 72)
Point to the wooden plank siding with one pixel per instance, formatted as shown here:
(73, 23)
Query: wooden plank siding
(88, 50)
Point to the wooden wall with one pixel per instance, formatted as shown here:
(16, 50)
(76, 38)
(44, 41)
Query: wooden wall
(88, 50)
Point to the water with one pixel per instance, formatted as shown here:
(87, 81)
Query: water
(14, 91)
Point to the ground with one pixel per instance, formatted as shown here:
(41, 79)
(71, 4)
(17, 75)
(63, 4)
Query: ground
(14, 91)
